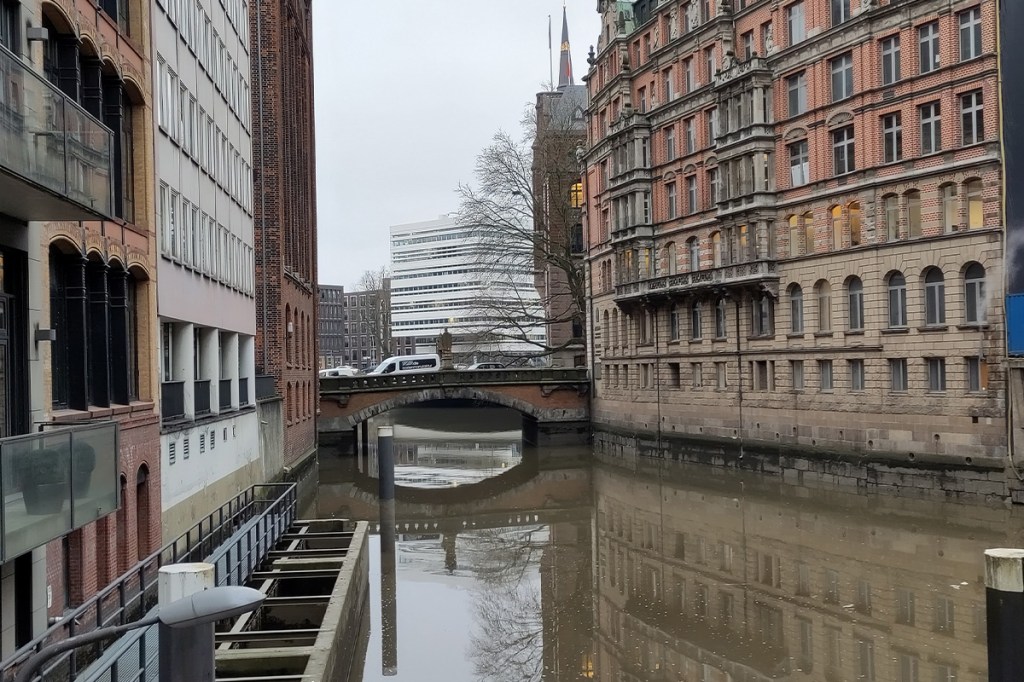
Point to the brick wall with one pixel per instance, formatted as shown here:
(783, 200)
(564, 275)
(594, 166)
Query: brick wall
(285, 212)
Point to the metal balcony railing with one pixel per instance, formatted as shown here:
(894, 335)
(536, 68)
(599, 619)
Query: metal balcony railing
(54, 482)
(51, 142)
(684, 282)
(265, 388)
(172, 400)
(225, 395)
(202, 396)
(234, 538)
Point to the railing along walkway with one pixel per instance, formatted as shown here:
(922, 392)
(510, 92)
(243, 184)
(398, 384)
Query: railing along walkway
(234, 538)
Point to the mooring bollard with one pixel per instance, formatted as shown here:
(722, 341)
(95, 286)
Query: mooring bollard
(1004, 604)
(386, 462)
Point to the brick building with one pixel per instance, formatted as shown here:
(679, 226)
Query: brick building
(794, 224)
(355, 326)
(78, 377)
(284, 214)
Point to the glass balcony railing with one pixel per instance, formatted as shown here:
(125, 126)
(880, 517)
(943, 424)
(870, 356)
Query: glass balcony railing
(54, 482)
(52, 151)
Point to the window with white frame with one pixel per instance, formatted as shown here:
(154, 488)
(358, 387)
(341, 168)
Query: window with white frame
(934, 297)
(898, 374)
(892, 137)
(897, 291)
(796, 309)
(972, 118)
(855, 304)
(690, 133)
(670, 194)
(840, 11)
(796, 88)
(843, 160)
(691, 194)
(670, 142)
(931, 127)
(825, 375)
(974, 294)
(970, 33)
(950, 207)
(928, 44)
(977, 374)
(796, 370)
(936, 374)
(856, 375)
(721, 317)
(842, 76)
(799, 163)
(890, 49)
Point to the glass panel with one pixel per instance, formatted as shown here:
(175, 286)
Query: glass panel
(94, 472)
(36, 490)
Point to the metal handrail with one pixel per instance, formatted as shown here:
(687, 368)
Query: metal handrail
(542, 375)
(135, 592)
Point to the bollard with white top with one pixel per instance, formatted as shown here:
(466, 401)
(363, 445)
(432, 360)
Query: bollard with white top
(186, 653)
(388, 563)
(1004, 603)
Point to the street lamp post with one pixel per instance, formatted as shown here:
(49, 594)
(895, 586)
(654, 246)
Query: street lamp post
(195, 611)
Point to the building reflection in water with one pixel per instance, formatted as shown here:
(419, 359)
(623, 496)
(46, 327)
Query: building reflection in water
(650, 571)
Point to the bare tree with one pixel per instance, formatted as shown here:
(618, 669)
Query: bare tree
(377, 313)
(525, 210)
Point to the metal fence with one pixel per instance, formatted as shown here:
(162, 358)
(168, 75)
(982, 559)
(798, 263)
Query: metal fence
(235, 538)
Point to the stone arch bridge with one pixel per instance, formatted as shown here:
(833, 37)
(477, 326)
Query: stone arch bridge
(555, 403)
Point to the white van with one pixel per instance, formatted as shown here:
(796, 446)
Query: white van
(408, 364)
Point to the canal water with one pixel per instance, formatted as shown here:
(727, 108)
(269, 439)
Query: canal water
(513, 564)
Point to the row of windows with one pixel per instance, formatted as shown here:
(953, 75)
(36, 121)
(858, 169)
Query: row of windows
(193, 129)
(446, 236)
(931, 374)
(300, 400)
(298, 337)
(196, 240)
(196, 30)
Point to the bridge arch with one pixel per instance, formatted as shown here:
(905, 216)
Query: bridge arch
(430, 394)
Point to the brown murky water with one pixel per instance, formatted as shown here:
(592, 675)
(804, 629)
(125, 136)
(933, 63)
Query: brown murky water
(514, 566)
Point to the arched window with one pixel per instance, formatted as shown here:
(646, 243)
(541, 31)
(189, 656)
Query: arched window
(716, 249)
(836, 218)
(796, 309)
(606, 332)
(950, 207)
(975, 204)
(853, 213)
(673, 323)
(823, 294)
(914, 226)
(670, 258)
(891, 207)
(897, 288)
(762, 314)
(614, 331)
(288, 333)
(696, 331)
(794, 236)
(142, 540)
(693, 249)
(934, 297)
(807, 219)
(855, 304)
(974, 294)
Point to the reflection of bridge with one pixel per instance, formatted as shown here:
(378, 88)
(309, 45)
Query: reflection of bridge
(522, 495)
(552, 401)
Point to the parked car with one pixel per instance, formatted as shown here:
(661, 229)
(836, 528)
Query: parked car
(486, 365)
(342, 371)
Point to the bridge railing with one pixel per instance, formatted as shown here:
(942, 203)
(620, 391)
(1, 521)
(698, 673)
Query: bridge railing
(453, 378)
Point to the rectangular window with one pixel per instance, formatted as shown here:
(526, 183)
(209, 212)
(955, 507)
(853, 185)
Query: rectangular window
(691, 194)
(721, 375)
(795, 23)
(713, 186)
(670, 143)
(977, 374)
(689, 80)
(842, 76)
(904, 606)
(689, 128)
(945, 615)
(890, 48)
(825, 374)
(670, 191)
(709, 63)
(712, 124)
(907, 667)
(748, 45)
(796, 87)
(892, 137)
(796, 368)
(931, 127)
(843, 151)
(936, 374)
(865, 660)
(799, 163)
(972, 118)
(697, 374)
(856, 375)
(840, 11)
(928, 44)
(898, 374)
(970, 33)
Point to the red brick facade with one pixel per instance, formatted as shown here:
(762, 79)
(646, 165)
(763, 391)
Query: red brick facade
(793, 213)
(284, 216)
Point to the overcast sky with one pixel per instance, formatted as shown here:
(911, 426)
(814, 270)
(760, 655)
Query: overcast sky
(407, 94)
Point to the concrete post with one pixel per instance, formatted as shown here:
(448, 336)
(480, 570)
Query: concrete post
(186, 654)
(1004, 602)
(388, 558)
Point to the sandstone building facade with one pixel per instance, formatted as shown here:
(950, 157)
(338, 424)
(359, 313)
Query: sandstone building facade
(794, 224)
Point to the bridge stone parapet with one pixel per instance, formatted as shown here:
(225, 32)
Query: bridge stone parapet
(546, 396)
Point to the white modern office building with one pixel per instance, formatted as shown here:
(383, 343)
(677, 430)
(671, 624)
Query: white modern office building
(439, 281)
(206, 284)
